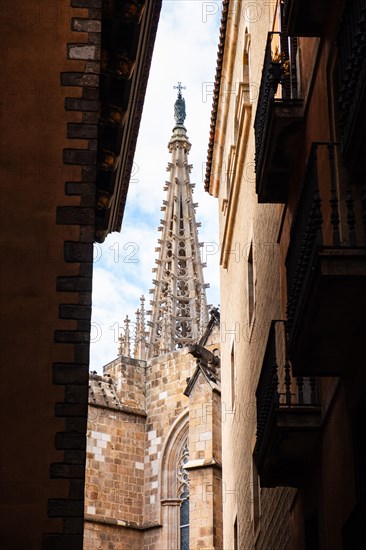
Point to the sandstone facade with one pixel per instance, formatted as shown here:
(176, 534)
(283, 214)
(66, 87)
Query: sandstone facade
(148, 432)
(285, 162)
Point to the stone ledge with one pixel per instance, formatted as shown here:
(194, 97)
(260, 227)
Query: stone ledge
(121, 523)
(121, 408)
(202, 463)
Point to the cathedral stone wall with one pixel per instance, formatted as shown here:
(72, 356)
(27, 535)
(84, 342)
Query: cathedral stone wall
(206, 509)
(135, 476)
(204, 466)
(100, 536)
(129, 379)
(166, 380)
(115, 468)
(204, 422)
(115, 464)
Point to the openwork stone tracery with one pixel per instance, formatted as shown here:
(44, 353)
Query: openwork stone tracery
(182, 474)
(179, 308)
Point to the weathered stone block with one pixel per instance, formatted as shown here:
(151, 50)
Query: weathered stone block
(79, 79)
(78, 252)
(66, 440)
(80, 104)
(82, 131)
(74, 215)
(74, 284)
(84, 52)
(65, 508)
(86, 25)
(79, 156)
(65, 373)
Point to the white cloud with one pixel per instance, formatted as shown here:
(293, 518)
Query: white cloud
(185, 50)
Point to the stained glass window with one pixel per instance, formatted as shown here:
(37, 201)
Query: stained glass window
(184, 522)
(183, 493)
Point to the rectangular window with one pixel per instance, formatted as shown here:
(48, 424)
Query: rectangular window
(250, 284)
(230, 170)
(236, 542)
(233, 376)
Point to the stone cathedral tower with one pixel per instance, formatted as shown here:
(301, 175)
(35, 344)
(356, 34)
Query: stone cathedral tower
(179, 312)
(153, 476)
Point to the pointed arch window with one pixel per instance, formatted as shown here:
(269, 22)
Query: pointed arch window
(183, 494)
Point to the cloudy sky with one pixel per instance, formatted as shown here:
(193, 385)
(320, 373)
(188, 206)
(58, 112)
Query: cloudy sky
(185, 50)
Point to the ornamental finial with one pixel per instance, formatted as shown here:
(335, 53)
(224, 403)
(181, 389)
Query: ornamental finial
(180, 105)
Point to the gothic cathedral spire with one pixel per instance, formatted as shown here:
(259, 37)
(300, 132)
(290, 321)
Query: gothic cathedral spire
(179, 308)
(179, 313)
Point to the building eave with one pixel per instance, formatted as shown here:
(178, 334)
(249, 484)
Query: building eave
(111, 198)
(216, 92)
(125, 177)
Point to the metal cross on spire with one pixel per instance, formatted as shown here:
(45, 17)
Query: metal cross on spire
(179, 88)
(180, 105)
(179, 313)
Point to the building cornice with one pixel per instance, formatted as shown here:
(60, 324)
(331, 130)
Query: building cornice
(125, 177)
(216, 92)
(123, 83)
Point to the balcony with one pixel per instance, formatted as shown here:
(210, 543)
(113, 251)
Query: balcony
(278, 119)
(326, 269)
(351, 69)
(288, 417)
(304, 17)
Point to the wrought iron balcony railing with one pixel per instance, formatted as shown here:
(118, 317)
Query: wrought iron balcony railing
(351, 66)
(285, 404)
(330, 215)
(326, 268)
(278, 89)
